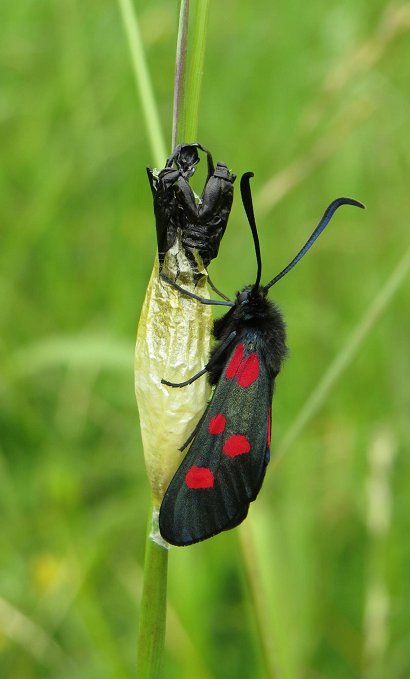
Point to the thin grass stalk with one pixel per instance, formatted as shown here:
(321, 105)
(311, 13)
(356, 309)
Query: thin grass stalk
(178, 118)
(378, 600)
(143, 81)
(151, 635)
(163, 308)
(253, 575)
(197, 47)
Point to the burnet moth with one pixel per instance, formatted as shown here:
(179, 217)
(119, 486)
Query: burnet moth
(230, 447)
(201, 222)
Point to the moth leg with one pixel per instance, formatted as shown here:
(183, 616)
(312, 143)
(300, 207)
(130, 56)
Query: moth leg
(193, 433)
(199, 374)
(215, 289)
(185, 384)
(203, 300)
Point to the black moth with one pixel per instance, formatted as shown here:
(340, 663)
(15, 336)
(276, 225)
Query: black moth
(230, 448)
(202, 223)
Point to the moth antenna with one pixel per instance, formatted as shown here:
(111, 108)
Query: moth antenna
(328, 214)
(248, 205)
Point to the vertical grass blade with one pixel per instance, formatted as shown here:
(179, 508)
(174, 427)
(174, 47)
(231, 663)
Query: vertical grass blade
(164, 336)
(149, 108)
(153, 605)
(196, 69)
(178, 120)
(378, 602)
(153, 609)
(190, 68)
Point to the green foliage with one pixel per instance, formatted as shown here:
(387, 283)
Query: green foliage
(315, 100)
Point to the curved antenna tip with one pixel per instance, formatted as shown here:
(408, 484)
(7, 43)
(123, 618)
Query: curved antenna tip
(347, 201)
(246, 176)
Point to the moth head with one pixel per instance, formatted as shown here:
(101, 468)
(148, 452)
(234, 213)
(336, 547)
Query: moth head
(250, 295)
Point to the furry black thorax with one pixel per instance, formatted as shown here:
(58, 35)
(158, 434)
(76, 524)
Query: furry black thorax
(255, 319)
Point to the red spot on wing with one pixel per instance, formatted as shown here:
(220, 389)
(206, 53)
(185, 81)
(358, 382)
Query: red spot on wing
(199, 477)
(217, 424)
(269, 426)
(236, 445)
(248, 371)
(235, 362)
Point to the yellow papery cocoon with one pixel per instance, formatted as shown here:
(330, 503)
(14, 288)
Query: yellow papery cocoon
(173, 342)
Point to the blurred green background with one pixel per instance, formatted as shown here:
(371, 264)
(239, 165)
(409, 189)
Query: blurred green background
(315, 99)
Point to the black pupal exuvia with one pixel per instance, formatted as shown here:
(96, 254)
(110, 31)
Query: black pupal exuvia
(230, 447)
(200, 221)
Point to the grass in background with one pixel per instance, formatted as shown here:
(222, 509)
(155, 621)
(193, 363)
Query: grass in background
(316, 102)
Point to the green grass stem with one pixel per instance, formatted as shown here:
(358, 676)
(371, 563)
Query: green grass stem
(153, 609)
(185, 117)
(192, 47)
(153, 605)
(178, 118)
(143, 80)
